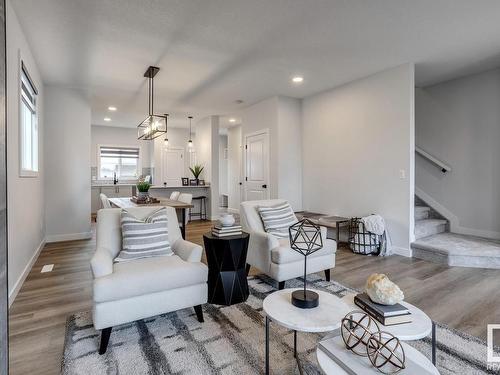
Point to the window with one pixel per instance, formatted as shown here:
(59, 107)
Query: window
(124, 161)
(28, 127)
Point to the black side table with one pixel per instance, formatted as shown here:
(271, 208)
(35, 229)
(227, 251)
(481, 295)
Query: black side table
(227, 277)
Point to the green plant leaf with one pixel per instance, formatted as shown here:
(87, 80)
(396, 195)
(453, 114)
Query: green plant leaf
(196, 170)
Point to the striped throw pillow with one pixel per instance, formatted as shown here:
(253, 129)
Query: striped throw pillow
(277, 219)
(144, 239)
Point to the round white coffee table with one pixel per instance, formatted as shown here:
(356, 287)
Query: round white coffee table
(324, 318)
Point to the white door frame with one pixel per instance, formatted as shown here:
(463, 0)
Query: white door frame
(244, 169)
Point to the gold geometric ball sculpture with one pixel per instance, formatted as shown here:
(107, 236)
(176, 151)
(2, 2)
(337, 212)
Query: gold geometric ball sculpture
(356, 328)
(386, 352)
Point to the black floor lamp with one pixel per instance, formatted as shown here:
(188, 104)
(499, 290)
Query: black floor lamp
(305, 238)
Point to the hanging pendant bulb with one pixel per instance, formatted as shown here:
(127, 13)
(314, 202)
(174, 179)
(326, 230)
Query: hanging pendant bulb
(190, 142)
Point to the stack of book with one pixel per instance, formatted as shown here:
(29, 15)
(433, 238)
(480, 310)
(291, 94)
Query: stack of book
(223, 231)
(385, 314)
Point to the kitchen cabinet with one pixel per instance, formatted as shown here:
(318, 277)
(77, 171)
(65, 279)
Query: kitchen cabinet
(111, 191)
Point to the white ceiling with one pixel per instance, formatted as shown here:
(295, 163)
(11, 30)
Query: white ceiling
(214, 52)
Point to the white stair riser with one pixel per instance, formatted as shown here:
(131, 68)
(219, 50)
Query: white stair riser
(455, 260)
(423, 229)
(421, 214)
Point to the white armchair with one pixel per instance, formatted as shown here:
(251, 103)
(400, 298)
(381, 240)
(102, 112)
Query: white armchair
(273, 256)
(129, 291)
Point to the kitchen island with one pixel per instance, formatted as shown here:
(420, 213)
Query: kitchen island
(197, 191)
(126, 189)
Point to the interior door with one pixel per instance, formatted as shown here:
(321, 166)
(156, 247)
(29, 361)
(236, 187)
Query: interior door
(257, 166)
(173, 166)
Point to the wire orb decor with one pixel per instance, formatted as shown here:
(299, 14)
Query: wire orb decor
(386, 352)
(356, 328)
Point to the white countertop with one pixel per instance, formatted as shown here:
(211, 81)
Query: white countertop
(99, 185)
(180, 187)
(112, 185)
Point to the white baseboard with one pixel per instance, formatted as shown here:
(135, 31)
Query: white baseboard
(455, 226)
(68, 237)
(20, 281)
(402, 251)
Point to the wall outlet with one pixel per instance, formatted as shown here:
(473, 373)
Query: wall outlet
(402, 174)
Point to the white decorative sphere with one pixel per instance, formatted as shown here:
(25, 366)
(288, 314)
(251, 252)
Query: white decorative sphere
(227, 220)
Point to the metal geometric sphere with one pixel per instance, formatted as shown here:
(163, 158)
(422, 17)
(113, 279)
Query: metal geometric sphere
(305, 237)
(386, 353)
(356, 329)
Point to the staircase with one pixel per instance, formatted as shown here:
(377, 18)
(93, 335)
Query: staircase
(434, 242)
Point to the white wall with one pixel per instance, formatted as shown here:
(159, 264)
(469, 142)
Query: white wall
(25, 196)
(290, 151)
(356, 140)
(281, 116)
(67, 151)
(234, 167)
(115, 136)
(223, 165)
(207, 154)
(459, 123)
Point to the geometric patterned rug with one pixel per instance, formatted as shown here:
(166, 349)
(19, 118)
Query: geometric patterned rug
(230, 341)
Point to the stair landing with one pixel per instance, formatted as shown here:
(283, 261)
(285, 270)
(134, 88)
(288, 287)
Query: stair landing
(458, 250)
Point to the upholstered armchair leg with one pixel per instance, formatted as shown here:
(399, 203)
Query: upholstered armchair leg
(327, 275)
(247, 269)
(199, 313)
(281, 285)
(105, 333)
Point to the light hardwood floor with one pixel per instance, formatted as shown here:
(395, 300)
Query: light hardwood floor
(463, 298)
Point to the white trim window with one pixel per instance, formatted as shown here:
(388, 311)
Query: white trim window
(28, 126)
(120, 161)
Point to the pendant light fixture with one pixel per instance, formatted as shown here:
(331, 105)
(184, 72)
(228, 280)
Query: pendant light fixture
(165, 141)
(190, 142)
(153, 125)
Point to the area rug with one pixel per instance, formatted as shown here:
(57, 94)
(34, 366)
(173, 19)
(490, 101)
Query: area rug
(230, 341)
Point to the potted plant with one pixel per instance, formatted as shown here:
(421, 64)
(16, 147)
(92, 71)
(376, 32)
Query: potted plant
(143, 189)
(196, 171)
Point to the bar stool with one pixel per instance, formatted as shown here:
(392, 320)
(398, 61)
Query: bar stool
(202, 214)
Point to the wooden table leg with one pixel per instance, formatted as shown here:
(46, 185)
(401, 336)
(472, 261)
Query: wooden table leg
(183, 227)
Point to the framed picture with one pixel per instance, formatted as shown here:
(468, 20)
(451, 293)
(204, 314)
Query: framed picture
(193, 182)
(201, 182)
(185, 181)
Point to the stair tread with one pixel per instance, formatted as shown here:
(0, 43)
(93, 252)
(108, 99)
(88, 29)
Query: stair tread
(430, 221)
(422, 208)
(459, 245)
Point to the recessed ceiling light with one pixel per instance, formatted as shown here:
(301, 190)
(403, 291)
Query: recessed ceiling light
(232, 120)
(298, 79)
(107, 119)
(111, 108)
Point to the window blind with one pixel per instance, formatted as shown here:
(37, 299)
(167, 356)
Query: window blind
(120, 152)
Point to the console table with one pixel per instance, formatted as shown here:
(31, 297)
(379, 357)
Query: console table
(333, 222)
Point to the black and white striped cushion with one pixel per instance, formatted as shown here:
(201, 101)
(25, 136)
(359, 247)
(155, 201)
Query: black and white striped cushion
(144, 239)
(277, 219)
